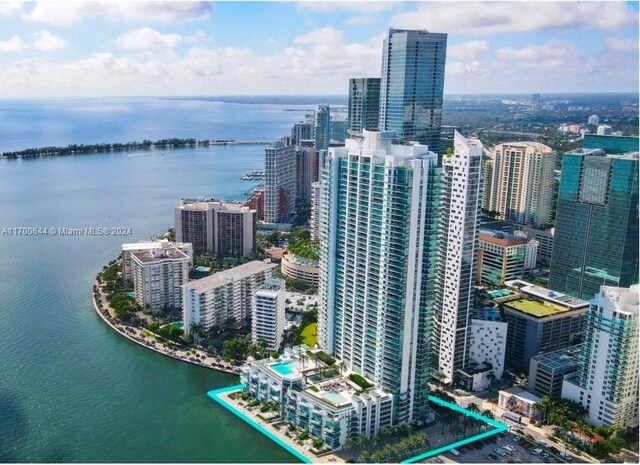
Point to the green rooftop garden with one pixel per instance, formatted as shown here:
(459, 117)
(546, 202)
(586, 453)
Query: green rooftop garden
(533, 308)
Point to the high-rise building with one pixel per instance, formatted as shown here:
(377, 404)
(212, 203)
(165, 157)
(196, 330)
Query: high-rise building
(412, 85)
(504, 257)
(304, 161)
(593, 120)
(225, 229)
(158, 275)
(267, 316)
(596, 232)
(315, 210)
(378, 229)
(364, 104)
(280, 182)
(521, 183)
(457, 254)
(302, 131)
(225, 296)
(603, 130)
(338, 132)
(128, 249)
(548, 370)
(606, 382)
(322, 127)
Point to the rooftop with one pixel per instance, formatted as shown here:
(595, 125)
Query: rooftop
(159, 255)
(500, 237)
(521, 394)
(225, 277)
(534, 308)
(564, 300)
(561, 358)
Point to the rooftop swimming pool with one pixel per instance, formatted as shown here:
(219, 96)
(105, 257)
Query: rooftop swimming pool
(499, 293)
(334, 397)
(284, 369)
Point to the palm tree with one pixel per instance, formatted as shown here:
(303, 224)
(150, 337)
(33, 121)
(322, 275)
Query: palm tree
(473, 407)
(488, 413)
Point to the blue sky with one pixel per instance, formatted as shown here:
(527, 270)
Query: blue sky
(55, 48)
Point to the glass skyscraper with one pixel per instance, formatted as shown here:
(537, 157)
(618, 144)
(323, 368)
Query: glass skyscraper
(378, 235)
(322, 127)
(596, 237)
(412, 85)
(364, 104)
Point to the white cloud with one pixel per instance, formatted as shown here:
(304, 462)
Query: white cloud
(47, 42)
(468, 50)
(457, 69)
(146, 38)
(8, 8)
(319, 36)
(618, 44)
(12, 45)
(361, 20)
(344, 5)
(501, 17)
(67, 13)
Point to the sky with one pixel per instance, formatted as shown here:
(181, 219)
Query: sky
(55, 48)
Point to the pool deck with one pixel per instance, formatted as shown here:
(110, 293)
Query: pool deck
(221, 396)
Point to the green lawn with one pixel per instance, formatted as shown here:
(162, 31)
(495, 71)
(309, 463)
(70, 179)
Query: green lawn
(531, 307)
(308, 335)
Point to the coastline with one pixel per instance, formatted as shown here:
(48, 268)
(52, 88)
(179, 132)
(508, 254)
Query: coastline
(122, 332)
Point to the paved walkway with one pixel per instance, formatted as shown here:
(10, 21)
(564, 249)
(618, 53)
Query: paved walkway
(155, 342)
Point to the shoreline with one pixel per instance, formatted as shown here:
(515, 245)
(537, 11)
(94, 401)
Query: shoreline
(126, 335)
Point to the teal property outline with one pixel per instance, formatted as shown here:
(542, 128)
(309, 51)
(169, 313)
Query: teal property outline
(498, 425)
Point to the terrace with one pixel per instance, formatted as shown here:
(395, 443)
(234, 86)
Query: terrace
(534, 308)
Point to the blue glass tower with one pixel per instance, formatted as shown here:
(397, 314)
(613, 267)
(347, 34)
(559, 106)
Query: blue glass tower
(412, 85)
(596, 237)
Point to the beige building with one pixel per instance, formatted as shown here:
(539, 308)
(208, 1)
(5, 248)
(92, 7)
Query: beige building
(304, 269)
(222, 228)
(268, 314)
(519, 182)
(158, 275)
(128, 249)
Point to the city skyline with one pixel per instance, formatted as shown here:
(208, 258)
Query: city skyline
(78, 49)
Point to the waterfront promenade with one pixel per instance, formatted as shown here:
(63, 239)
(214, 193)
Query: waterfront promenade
(156, 343)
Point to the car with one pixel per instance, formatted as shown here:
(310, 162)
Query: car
(509, 447)
(548, 460)
(454, 452)
(536, 451)
(507, 451)
(499, 451)
(477, 445)
(516, 438)
(544, 455)
(490, 458)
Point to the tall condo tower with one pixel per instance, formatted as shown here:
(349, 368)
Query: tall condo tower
(521, 183)
(378, 225)
(457, 254)
(322, 127)
(280, 182)
(364, 104)
(596, 237)
(412, 85)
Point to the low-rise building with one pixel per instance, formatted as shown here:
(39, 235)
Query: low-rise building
(223, 296)
(606, 382)
(540, 320)
(518, 401)
(304, 269)
(268, 314)
(547, 371)
(317, 397)
(128, 249)
(158, 275)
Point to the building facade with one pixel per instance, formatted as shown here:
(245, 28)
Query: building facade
(364, 104)
(302, 132)
(304, 161)
(322, 127)
(606, 382)
(487, 348)
(596, 237)
(547, 371)
(158, 275)
(315, 210)
(412, 85)
(378, 230)
(504, 257)
(280, 183)
(303, 269)
(457, 254)
(225, 297)
(521, 183)
(267, 315)
(128, 249)
(540, 321)
(226, 229)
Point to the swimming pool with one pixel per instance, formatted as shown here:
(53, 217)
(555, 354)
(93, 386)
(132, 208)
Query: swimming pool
(334, 397)
(284, 369)
(499, 293)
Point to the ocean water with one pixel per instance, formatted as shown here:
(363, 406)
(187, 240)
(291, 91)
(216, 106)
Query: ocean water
(71, 390)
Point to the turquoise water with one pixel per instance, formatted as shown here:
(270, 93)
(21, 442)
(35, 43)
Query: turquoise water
(284, 368)
(333, 397)
(72, 390)
(499, 293)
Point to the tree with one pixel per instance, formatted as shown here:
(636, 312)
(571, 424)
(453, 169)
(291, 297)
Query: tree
(235, 348)
(488, 413)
